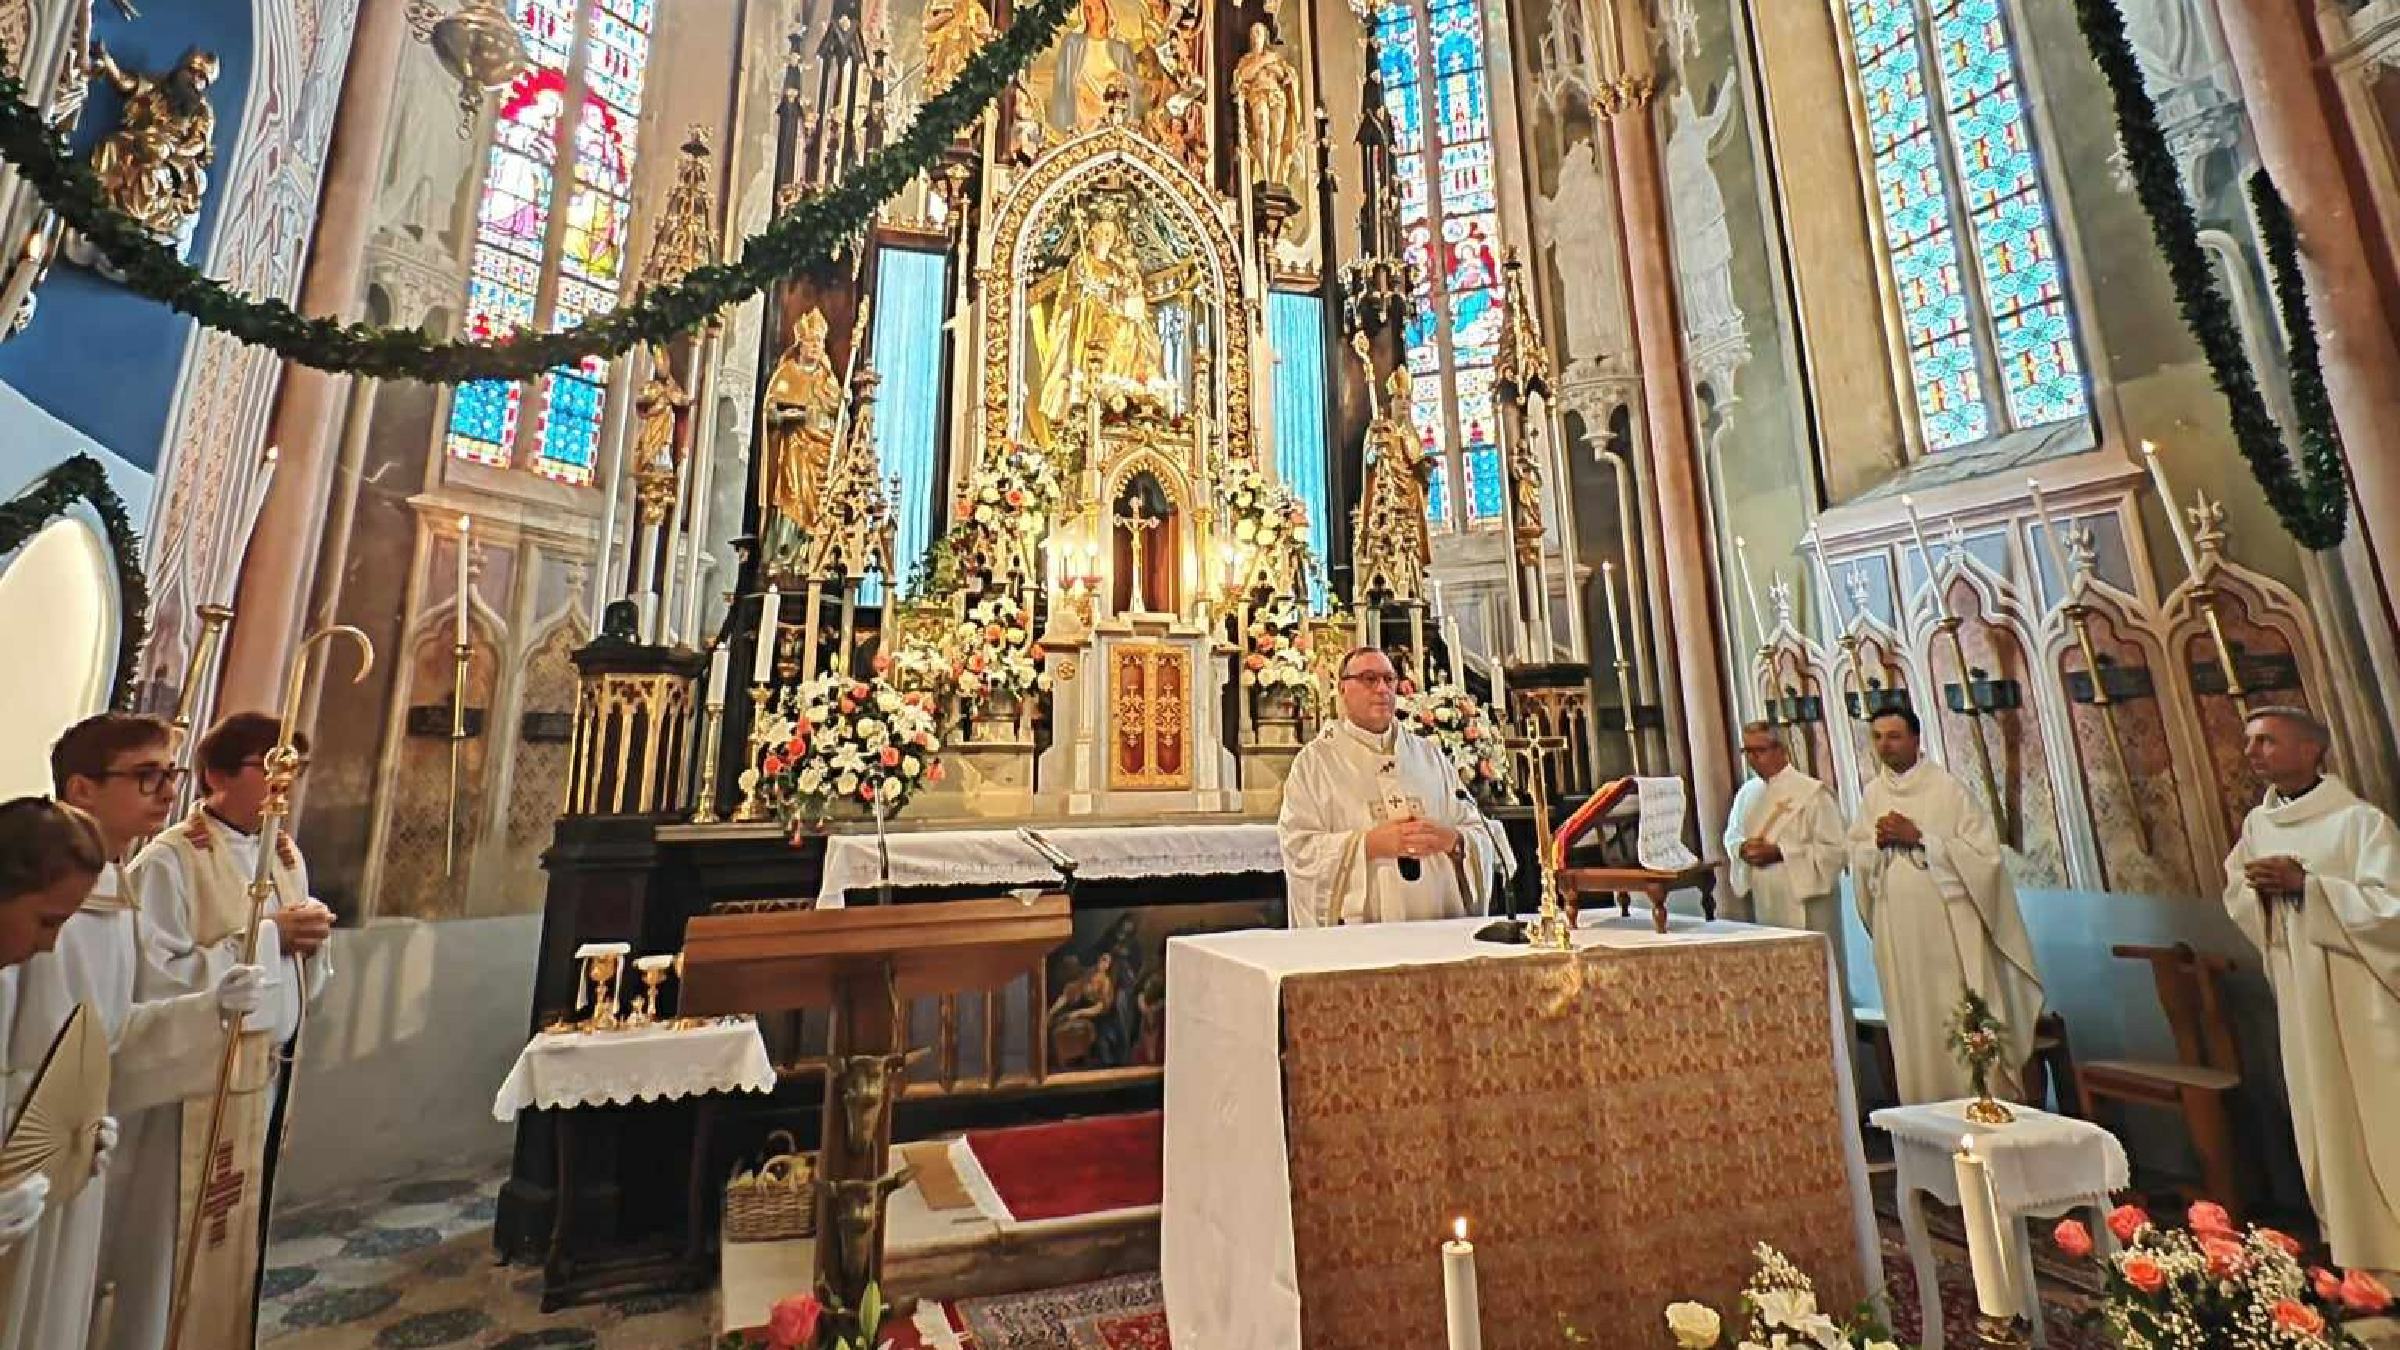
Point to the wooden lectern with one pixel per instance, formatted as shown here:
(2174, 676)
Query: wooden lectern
(864, 964)
(1612, 813)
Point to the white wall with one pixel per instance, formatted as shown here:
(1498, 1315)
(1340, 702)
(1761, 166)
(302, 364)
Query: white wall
(403, 1056)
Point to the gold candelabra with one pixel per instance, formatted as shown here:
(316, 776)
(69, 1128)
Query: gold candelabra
(1551, 930)
(753, 807)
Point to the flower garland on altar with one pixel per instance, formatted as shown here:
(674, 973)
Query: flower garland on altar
(1462, 726)
(837, 741)
(819, 228)
(81, 478)
(2217, 1284)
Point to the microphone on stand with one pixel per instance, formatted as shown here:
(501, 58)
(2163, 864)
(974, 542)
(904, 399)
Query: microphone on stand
(1509, 931)
(1059, 859)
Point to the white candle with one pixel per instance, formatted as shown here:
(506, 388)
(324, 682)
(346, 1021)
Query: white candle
(720, 664)
(1987, 1252)
(466, 536)
(1758, 623)
(1916, 527)
(2052, 542)
(1461, 1308)
(1833, 598)
(2166, 498)
(1616, 626)
(762, 670)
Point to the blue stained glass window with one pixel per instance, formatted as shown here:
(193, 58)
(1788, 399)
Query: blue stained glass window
(1966, 220)
(1437, 78)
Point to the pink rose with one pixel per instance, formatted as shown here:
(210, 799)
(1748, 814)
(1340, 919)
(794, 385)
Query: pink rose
(2292, 1315)
(2126, 1220)
(890, 756)
(2211, 1220)
(934, 773)
(2363, 1293)
(2226, 1257)
(2326, 1284)
(866, 792)
(2145, 1274)
(2073, 1239)
(2289, 1244)
(793, 1324)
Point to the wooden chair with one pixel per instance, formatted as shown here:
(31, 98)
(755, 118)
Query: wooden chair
(2205, 1073)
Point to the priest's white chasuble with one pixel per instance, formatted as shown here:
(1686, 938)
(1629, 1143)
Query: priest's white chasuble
(162, 1048)
(1798, 815)
(1944, 920)
(2334, 961)
(193, 883)
(1346, 782)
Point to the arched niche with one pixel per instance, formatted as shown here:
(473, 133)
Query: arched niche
(2274, 650)
(62, 585)
(1997, 668)
(2134, 672)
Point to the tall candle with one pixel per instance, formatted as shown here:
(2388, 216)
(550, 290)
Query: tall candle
(720, 663)
(1916, 527)
(2052, 542)
(466, 528)
(1833, 598)
(770, 609)
(1987, 1252)
(1616, 625)
(2166, 498)
(1461, 1307)
(1758, 624)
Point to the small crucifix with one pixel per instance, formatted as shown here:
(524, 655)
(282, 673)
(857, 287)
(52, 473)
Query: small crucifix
(1136, 525)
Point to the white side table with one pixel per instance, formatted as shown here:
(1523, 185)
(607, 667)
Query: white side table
(2042, 1166)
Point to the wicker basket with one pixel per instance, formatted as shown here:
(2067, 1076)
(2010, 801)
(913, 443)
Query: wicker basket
(778, 1202)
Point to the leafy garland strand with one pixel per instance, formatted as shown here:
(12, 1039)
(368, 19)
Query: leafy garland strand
(2311, 500)
(814, 230)
(81, 478)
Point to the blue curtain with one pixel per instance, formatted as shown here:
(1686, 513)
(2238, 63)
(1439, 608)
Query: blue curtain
(1296, 330)
(909, 293)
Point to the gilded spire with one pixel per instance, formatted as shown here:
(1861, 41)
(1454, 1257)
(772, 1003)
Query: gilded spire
(687, 236)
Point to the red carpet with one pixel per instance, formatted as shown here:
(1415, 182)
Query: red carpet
(1075, 1167)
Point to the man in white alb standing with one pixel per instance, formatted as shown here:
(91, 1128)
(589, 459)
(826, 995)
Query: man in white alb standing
(1785, 842)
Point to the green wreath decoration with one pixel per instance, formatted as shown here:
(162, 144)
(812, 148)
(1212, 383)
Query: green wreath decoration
(816, 229)
(82, 478)
(2311, 499)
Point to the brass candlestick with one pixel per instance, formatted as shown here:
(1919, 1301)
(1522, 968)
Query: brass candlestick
(2080, 615)
(2002, 819)
(2205, 598)
(213, 619)
(460, 654)
(712, 744)
(1633, 737)
(753, 808)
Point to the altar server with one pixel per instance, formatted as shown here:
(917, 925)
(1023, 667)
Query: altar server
(1936, 898)
(118, 769)
(2314, 883)
(1785, 839)
(194, 884)
(1375, 825)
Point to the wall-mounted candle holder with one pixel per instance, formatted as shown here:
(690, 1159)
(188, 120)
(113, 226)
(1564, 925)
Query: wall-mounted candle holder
(2261, 672)
(1875, 701)
(2123, 683)
(1982, 694)
(1795, 709)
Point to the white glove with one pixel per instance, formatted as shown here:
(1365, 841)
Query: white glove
(21, 1209)
(104, 1135)
(241, 991)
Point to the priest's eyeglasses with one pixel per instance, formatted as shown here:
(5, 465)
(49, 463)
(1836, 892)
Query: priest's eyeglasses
(1374, 679)
(150, 779)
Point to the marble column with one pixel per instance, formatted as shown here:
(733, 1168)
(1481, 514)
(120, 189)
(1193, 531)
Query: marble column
(282, 560)
(1673, 447)
(2311, 155)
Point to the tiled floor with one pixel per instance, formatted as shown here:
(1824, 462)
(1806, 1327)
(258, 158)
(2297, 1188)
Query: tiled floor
(410, 1267)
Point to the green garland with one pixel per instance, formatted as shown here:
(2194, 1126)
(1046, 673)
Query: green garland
(815, 230)
(2312, 499)
(83, 479)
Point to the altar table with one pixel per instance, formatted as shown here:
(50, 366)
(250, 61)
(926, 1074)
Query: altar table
(1620, 1127)
(999, 857)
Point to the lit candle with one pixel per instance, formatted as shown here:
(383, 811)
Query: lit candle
(2052, 542)
(1616, 626)
(1987, 1254)
(1758, 624)
(1460, 1306)
(720, 662)
(466, 535)
(2166, 497)
(770, 609)
(1916, 527)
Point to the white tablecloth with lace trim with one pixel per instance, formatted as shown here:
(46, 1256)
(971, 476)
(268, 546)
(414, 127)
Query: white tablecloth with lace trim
(559, 1071)
(1000, 858)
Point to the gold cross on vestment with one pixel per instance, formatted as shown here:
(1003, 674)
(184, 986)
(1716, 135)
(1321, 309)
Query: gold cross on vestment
(222, 1194)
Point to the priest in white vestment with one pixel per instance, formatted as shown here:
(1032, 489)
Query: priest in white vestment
(193, 882)
(1787, 849)
(2314, 883)
(1935, 896)
(1376, 827)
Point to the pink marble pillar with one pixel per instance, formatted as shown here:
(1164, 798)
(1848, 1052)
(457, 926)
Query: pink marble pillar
(2293, 111)
(282, 561)
(1674, 450)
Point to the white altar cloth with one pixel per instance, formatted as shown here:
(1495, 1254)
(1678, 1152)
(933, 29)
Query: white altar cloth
(559, 1071)
(1226, 1254)
(1000, 858)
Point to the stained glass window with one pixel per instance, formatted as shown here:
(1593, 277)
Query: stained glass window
(531, 270)
(1966, 220)
(1437, 84)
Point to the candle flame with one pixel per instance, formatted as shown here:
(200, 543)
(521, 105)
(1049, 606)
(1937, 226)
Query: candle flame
(2150, 448)
(1739, 542)
(1967, 1144)
(1607, 566)
(1460, 1227)
(465, 523)
(274, 452)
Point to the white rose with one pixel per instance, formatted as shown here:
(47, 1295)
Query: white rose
(912, 766)
(1696, 1325)
(1785, 1307)
(847, 784)
(888, 700)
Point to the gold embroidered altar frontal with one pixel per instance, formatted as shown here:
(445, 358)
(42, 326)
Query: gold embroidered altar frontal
(1620, 1128)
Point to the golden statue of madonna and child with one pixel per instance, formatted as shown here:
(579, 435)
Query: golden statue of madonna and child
(1096, 326)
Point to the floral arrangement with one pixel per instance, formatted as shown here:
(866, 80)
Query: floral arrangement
(1015, 491)
(1976, 1039)
(835, 741)
(994, 652)
(1779, 1308)
(1462, 726)
(1270, 529)
(805, 1322)
(1278, 658)
(2215, 1284)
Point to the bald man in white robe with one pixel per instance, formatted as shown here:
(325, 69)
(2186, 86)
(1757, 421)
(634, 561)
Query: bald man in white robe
(1369, 802)
(2314, 883)
(1785, 841)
